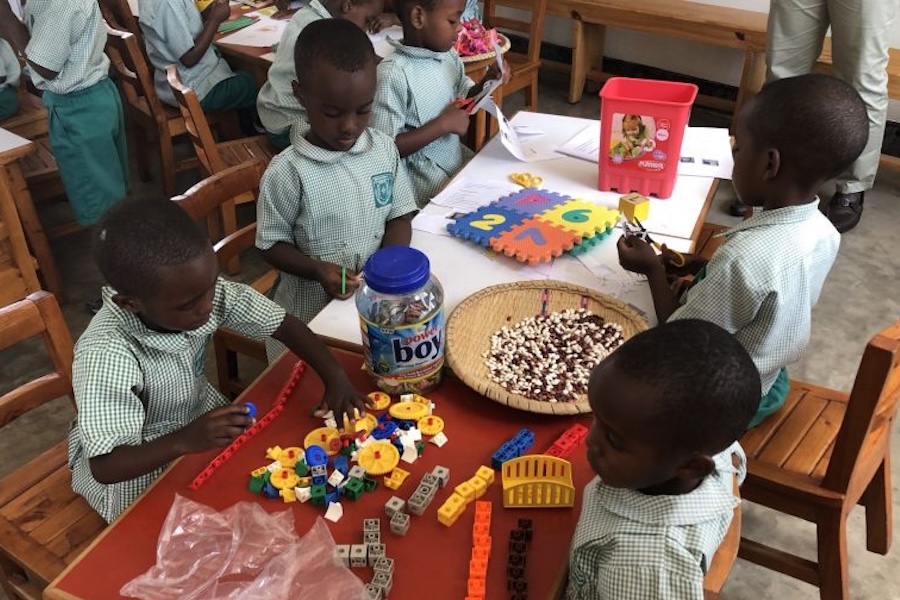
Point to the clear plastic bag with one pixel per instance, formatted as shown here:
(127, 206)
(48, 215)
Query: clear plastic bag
(241, 553)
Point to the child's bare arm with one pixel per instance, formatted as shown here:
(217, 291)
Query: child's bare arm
(453, 120)
(398, 232)
(217, 428)
(14, 31)
(637, 256)
(218, 12)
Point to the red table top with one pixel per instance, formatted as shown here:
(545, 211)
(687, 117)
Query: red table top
(431, 559)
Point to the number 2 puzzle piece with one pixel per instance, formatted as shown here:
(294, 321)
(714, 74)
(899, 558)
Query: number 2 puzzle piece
(584, 218)
(534, 241)
(484, 224)
(532, 201)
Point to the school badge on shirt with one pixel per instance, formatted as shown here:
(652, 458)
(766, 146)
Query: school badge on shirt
(383, 189)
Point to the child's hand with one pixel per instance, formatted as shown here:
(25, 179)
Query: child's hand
(342, 398)
(330, 276)
(219, 11)
(282, 4)
(383, 21)
(636, 255)
(455, 120)
(215, 429)
(493, 72)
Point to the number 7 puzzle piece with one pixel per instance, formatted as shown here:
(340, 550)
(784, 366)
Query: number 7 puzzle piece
(531, 201)
(485, 224)
(533, 241)
(581, 217)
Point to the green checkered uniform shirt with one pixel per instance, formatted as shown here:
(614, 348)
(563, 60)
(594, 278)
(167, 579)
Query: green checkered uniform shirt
(170, 28)
(277, 106)
(9, 66)
(67, 38)
(332, 206)
(133, 385)
(630, 546)
(415, 85)
(763, 281)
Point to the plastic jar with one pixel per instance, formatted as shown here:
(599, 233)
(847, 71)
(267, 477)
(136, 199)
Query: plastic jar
(401, 317)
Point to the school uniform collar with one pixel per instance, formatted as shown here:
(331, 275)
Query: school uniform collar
(778, 216)
(709, 501)
(417, 52)
(306, 149)
(173, 343)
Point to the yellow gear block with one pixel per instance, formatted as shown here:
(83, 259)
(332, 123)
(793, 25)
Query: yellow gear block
(381, 400)
(283, 479)
(581, 217)
(485, 473)
(396, 478)
(363, 423)
(288, 495)
(449, 512)
(378, 458)
(273, 453)
(431, 425)
(634, 206)
(408, 411)
(479, 485)
(326, 438)
(289, 456)
(258, 472)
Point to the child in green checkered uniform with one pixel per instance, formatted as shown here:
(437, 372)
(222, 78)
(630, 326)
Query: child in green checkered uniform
(277, 106)
(63, 45)
(142, 397)
(419, 86)
(339, 192)
(9, 80)
(176, 34)
(669, 405)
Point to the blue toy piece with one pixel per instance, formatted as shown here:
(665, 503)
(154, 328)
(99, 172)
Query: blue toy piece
(316, 456)
(332, 495)
(251, 409)
(342, 464)
(270, 491)
(531, 202)
(384, 430)
(319, 479)
(405, 425)
(485, 223)
(523, 440)
(515, 447)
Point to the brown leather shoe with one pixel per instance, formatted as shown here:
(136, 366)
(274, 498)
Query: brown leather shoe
(845, 210)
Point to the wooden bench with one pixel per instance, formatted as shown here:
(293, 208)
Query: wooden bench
(824, 65)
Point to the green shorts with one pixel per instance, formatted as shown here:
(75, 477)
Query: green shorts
(235, 92)
(9, 102)
(773, 400)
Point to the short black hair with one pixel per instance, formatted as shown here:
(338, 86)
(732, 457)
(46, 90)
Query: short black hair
(403, 7)
(138, 236)
(709, 388)
(818, 123)
(337, 42)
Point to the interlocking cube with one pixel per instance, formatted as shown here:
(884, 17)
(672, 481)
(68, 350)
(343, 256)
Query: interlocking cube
(376, 551)
(534, 241)
(428, 491)
(372, 525)
(383, 581)
(342, 554)
(634, 206)
(484, 224)
(430, 479)
(531, 201)
(358, 555)
(400, 523)
(417, 504)
(394, 505)
(384, 565)
(442, 474)
(356, 472)
(581, 217)
(372, 537)
(374, 592)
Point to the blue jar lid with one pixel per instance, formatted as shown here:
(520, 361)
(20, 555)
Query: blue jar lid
(397, 270)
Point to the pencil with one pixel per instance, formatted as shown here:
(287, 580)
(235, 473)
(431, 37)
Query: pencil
(343, 280)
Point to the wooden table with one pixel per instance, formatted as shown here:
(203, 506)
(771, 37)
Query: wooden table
(432, 560)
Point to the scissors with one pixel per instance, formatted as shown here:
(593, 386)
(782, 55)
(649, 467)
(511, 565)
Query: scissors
(677, 258)
(526, 180)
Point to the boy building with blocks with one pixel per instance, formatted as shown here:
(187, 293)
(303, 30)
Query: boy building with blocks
(10, 70)
(62, 43)
(762, 282)
(140, 389)
(278, 108)
(420, 87)
(176, 33)
(669, 405)
(339, 193)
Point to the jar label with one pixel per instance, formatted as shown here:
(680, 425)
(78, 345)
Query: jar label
(404, 355)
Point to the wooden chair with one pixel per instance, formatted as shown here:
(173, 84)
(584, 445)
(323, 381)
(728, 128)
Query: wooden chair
(524, 67)
(117, 13)
(208, 201)
(822, 454)
(44, 525)
(31, 119)
(147, 116)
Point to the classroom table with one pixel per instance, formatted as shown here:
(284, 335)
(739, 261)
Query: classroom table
(431, 560)
(465, 268)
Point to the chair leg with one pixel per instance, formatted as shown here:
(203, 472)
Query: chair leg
(832, 553)
(588, 45)
(531, 94)
(877, 500)
(167, 163)
(141, 153)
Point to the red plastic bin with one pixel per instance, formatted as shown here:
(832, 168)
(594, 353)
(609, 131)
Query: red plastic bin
(642, 125)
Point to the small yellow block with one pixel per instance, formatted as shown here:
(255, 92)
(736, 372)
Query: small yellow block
(288, 495)
(396, 478)
(485, 473)
(453, 506)
(274, 452)
(465, 490)
(479, 485)
(258, 472)
(304, 481)
(634, 206)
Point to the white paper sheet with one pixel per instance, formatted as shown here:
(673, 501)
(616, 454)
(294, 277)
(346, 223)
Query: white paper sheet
(431, 223)
(706, 152)
(584, 145)
(465, 195)
(530, 151)
(380, 40)
(264, 33)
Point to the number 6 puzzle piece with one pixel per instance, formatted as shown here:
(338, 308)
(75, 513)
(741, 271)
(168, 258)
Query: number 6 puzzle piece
(532, 201)
(581, 217)
(485, 224)
(534, 241)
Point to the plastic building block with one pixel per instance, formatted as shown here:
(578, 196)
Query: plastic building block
(634, 206)
(410, 454)
(394, 505)
(371, 537)
(335, 512)
(581, 217)
(326, 438)
(439, 440)
(288, 495)
(465, 490)
(476, 588)
(317, 494)
(251, 409)
(396, 478)
(376, 551)
(535, 241)
(270, 491)
(538, 481)
(478, 569)
(380, 399)
(430, 480)
(301, 468)
(485, 224)
(332, 494)
(342, 464)
(568, 441)
(319, 480)
(356, 472)
(358, 555)
(531, 201)
(342, 554)
(379, 458)
(383, 581)
(371, 525)
(384, 430)
(257, 484)
(384, 565)
(479, 485)
(302, 493)
(515, 447)
(400, 523)
(431, 425)
(485, 473)
(316, 456)
(452, 508)
(369, 484)
(304, 481)
(318, 471)
(408, 411)
(373, 592)
(420, 448)
(417, 504)
(524, 440)
(442, 474)
(289, 457)
(429, 491)
(335, 478)
(274, 466)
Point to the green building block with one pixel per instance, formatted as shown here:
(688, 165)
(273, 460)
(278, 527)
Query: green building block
(301, 469)
(420, 448)
(354, 488)
(369, 483)
(317, 494)
(257, 484)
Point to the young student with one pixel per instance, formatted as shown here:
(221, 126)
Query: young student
(340, 191)
(419, 88)
(141, 394)
(9, 80)
(389, 18)
(763, 281)
(175, 33)
(63, 45)
(277, 106)
(669, 405)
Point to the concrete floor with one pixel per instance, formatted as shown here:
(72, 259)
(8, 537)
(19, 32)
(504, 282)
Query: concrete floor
(860, 298)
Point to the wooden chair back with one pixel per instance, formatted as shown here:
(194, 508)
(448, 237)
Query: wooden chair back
(533, 27)
(117, 13)
(134, 75)
(36, 315)
(863, 438)
(196, 124)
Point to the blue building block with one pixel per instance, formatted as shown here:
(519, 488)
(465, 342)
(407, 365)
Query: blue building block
(485, 223)
(332, 495)
(515, 447)
(523, 440)
(319, 479)
(405, 425)
(316, 456)
(384, 430)
(342, 464)
(251, 409)
(269, 491)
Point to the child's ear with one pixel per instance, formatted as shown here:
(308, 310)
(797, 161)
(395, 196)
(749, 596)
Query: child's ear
(417, 17)
(298, 92)
(129, 303)
(773, 164)
(346, 7)
(696, 467)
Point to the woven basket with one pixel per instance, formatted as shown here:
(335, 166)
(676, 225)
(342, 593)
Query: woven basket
(504, 46)
(479, 316)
